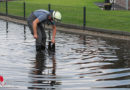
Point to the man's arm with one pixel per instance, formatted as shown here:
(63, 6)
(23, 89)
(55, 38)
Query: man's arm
(35, 22)
(53, 34)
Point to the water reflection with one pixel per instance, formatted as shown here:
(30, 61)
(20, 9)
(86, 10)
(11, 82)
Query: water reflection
(122, 52)
(79, 62)
(105, 60)
(6, 29)
(43, 76)
(120, 67)
(24, 32)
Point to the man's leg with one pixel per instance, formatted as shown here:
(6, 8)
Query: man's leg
(43, 37)
(39, 39)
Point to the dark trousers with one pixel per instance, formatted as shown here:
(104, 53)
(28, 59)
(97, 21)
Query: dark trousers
(41, 40)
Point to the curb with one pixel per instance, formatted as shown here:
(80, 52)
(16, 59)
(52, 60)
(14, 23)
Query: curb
(117, 32)
(74, 28)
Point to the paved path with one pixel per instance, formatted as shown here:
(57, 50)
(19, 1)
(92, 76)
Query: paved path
(77, 31)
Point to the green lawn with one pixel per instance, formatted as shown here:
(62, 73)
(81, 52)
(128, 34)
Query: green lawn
(66, 2)
(72, 12)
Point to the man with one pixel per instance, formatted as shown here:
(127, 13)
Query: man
(35, 21)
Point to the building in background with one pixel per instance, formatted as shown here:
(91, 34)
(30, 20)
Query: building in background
(122, 3)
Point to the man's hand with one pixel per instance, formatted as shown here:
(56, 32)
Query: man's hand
(53, 34)
(35, 36)
(53, 41)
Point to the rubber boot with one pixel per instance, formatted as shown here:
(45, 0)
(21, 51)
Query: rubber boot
(49, 46)
(38, 48)
(43, 48)
(53, 47)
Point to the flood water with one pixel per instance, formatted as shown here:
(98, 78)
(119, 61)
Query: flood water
(79, 62)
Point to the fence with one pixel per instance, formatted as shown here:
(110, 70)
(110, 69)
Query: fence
(90, 16)
(23, 9)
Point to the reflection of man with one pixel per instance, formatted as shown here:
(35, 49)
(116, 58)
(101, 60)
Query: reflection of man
(40, 63)
(39, 68)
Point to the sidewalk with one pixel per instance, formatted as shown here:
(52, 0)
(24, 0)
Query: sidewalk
(89, 31)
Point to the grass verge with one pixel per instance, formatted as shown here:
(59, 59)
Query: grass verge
(72, 12)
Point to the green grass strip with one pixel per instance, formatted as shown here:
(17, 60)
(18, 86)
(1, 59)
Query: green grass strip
(72, 12)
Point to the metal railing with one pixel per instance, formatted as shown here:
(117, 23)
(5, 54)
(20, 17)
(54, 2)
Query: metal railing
(88, 16)
(23, 10)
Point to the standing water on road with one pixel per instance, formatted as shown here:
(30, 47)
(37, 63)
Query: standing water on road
(79, 63)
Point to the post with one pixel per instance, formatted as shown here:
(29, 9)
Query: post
(84, 17)
(6, 7)
(49, 7)
(24, 8)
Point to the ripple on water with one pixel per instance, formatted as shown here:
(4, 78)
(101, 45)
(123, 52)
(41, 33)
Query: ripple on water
(79, 63)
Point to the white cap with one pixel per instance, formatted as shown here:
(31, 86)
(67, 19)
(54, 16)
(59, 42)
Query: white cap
(56, 15)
